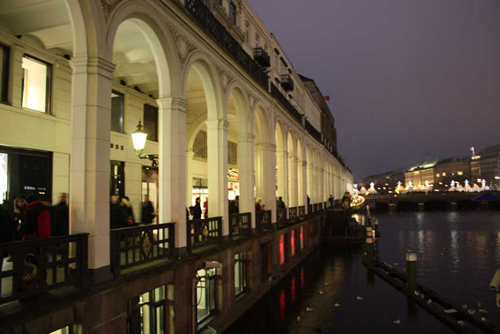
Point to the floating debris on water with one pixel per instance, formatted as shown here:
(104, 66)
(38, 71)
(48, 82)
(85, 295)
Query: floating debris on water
(482, 310)
(483, 319)
(461, 323)
(397, 322)
(321, 292)
(308, 309)
(464, 306)
(471, 311)
(417, 293)
(338, 305)
(429, 302)
(298, 318)
(359, 298)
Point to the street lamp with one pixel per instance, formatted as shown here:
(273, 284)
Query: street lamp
(139, 140)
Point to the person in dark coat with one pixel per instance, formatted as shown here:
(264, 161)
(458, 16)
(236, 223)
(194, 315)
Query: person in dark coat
(148, 211)
(118, 218)
(60, 217)
(127, 207)
(197, 209)
(36, 221)
(280, 204)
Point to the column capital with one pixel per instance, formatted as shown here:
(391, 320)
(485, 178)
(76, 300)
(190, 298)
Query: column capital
(246, 137)
(178, 103)
(96, 65)
(266, 147)
(217, 124)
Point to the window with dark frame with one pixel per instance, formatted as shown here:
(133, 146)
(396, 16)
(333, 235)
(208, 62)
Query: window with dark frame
(36, 84)
(117, 112)
(266, 251)
(205, 294)
(240, 273)
(151, 122)
(4, 72)
(147, 311)
(232, 13)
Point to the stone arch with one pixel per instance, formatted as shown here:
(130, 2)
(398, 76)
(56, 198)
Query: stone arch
(158, 39)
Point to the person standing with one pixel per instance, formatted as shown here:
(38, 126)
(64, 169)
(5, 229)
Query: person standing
(148, 211)
(197, 209)
(330, 200)
(258, 205)
(60, 219)
(129, 212)
(281, 204)
(36, 221)
(117, 218)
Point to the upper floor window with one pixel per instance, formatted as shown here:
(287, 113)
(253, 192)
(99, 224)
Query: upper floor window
(117, 111)
(240, 273)
(151, 122)
(4, 72)
(232, 13)
(257, 41)
(205, 293)
(200, 145)
(36, 84)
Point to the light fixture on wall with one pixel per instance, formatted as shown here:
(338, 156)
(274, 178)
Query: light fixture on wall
(139, 140)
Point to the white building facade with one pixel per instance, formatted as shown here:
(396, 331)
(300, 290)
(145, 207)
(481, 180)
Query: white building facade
(78, 75)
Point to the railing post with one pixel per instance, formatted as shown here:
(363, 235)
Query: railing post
(188, 236)
(219, 229)
(171, 239)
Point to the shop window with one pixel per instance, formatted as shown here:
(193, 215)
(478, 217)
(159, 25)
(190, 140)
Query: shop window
(117, 111)
(232, 153)
(4, 73)
(151, 122)
(117, 178)
(233, 16)
(205, 294)
(36, 84)
(240, 273)
(266, 251)
(146, 313)
(282, 249)
(200, 145)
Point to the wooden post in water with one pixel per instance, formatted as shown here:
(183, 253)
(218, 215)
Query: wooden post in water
(368, 249)
(411, 271)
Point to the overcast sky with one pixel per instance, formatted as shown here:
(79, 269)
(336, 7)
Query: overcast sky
(406, 77)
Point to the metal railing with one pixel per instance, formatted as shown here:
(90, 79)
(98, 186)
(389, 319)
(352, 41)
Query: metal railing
(292, 215)
(301, 211)
(263, 220)
(281, 217)
(41, 265)
(275, 92)
(134, 246)
(203, 232)
(239, 224)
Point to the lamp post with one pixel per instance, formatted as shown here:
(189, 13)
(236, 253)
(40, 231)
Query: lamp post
(139, 140)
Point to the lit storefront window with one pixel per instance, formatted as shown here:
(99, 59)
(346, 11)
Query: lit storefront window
(205, 293)
(146, 313)
(36, 84)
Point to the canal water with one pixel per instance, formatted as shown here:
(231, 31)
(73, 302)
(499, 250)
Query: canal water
(458, 253)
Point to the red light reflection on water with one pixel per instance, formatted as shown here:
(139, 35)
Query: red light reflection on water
(282, 304)
(302, 280)
(293, 291)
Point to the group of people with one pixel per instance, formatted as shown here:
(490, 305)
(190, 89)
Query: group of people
(122, 215)
(26, 218)
(195, 210)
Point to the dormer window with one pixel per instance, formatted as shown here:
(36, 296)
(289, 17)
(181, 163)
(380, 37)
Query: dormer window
(232, 13)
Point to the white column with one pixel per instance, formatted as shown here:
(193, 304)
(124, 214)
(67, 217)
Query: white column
(217, 171)
(292, 180)
(246, 173)
(310, 181)
(172, 169)
(16, 76)
(282, 158)
(303, 191)
(90, 156)
(189, 176)
(268, 175)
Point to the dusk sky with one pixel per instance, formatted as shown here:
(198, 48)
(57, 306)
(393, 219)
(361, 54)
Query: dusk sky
(406, 77)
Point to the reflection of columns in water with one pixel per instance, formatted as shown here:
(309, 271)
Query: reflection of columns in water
(266, 187)
(246, 174)
(172, 169)
(282, 163)
(217, 171)
(90, 155)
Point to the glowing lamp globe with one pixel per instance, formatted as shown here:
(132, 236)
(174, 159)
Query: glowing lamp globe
(139, 138)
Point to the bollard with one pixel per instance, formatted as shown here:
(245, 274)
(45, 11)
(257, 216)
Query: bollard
(368, 250)
(411, 271)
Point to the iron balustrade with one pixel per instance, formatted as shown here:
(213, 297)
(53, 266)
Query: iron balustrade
(260, 55)
(292, 215)
(239, 224)
(316, 207)
(263, 220)
(287, 82)
(203, 232)
(40, 265)
(134, 246)
(275, 92)
(281, 217)
(312, 131)
(310, 209)
(301, 211)
(202, 14)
